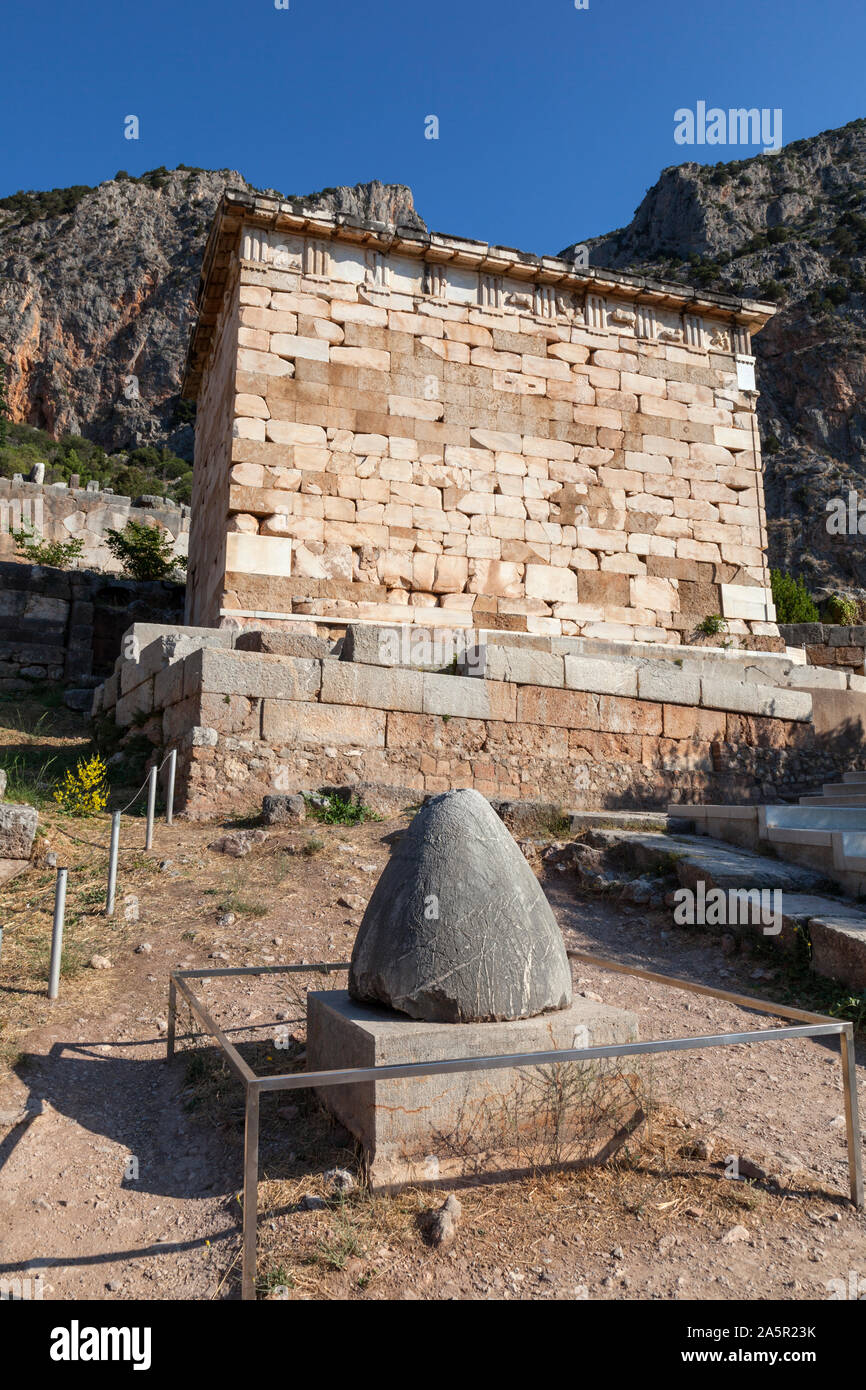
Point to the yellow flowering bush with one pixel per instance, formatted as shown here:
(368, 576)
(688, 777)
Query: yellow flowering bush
(84, 792)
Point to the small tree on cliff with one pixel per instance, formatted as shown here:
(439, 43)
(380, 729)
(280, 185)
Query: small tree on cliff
(144, 551)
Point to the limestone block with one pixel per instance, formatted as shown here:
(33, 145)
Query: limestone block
(497, 578)
(251, 405)
(252, 674)
(523, 667)
(318, 560)
(17, 829)
(110, 690)
(451, 575)
(401, 1124)
(601, 677)
(262, 554)
(243, 522)
(747, 698)
(748, 602)
(247, 474)
(661, 680)
(168, 685)
(245, 427)
(554, 584)
(279, 642)
(460, 697)
(839, 949)
(659, 594)
(292, 346)
(352, 683)
(496, 440)
(251, 360)
(138, 702)
(285, 721)
(373, 358)
(288, 432)
(404, 645)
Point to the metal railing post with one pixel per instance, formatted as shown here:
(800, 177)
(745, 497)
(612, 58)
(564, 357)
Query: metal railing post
(852, 1116)
(57, 933)
(251, 1192)
(151, 806)
(113, 848)
(169, 791)
(172, 1020)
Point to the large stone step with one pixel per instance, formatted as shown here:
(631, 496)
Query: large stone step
(834, 799)
(717, 863)
(854, 777)
(835, 928)
(821, 817)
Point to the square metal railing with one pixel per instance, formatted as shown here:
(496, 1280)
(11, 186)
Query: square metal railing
(808, 1025)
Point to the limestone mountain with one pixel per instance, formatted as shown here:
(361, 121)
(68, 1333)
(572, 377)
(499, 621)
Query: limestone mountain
(97, 286)
(789, 227)
(97, 296)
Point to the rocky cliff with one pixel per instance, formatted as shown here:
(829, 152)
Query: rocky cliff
(790, 227)
(97, 288)
(97, 294)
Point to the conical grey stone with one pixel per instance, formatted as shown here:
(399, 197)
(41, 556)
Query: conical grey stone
(458, 929)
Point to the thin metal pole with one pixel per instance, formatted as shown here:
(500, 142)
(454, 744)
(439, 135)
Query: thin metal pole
(151, 806)
(57, 933)
(251, 1192)
(172, 1016)
(169, 791)
(113, 848)
(852, 1116)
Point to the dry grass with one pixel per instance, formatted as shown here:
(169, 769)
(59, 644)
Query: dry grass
(368, 1244)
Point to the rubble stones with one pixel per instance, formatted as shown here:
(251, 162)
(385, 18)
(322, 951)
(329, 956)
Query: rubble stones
(284, 809)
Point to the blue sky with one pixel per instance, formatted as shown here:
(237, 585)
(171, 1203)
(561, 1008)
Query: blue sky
(553, 121)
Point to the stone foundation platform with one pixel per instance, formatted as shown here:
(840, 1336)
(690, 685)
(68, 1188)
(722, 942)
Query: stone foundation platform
(428, 1129)
(584, 724)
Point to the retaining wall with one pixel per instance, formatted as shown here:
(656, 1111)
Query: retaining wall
(554, 720)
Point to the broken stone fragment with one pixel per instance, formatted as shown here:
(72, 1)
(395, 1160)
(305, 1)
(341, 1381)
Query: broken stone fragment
(284, 809)
(17, 828)
(458, 929)
(442, 1224)
(239, 843)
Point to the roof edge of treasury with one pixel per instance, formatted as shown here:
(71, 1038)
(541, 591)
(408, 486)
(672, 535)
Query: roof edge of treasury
(238, 207)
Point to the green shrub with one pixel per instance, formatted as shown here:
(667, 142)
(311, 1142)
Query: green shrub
(144, 551)
(840, 609)
(57, 554)
(793, 602)
(334, 809)
(713, 624)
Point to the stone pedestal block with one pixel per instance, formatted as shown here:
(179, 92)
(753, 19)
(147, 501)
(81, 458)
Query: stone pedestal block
(426, 1129)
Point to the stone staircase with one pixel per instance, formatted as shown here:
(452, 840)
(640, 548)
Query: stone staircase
(826, 833)
(835, 928)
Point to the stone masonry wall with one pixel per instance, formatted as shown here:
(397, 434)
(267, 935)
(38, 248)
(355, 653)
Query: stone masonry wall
(58, 513)
(554, 720)
(829, 644)
(67, 625)
(474, 448)
(211, 522)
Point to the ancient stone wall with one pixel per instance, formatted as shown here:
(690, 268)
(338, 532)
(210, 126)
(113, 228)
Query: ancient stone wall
(471, 435)
(58, 513)
(833, 645)
(570, 720)
(211, 519)
(67, 625)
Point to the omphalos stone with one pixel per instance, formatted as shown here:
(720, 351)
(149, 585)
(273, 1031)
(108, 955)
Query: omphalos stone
(458, 929)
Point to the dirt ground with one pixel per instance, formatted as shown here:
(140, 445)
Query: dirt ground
(120, 1174)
